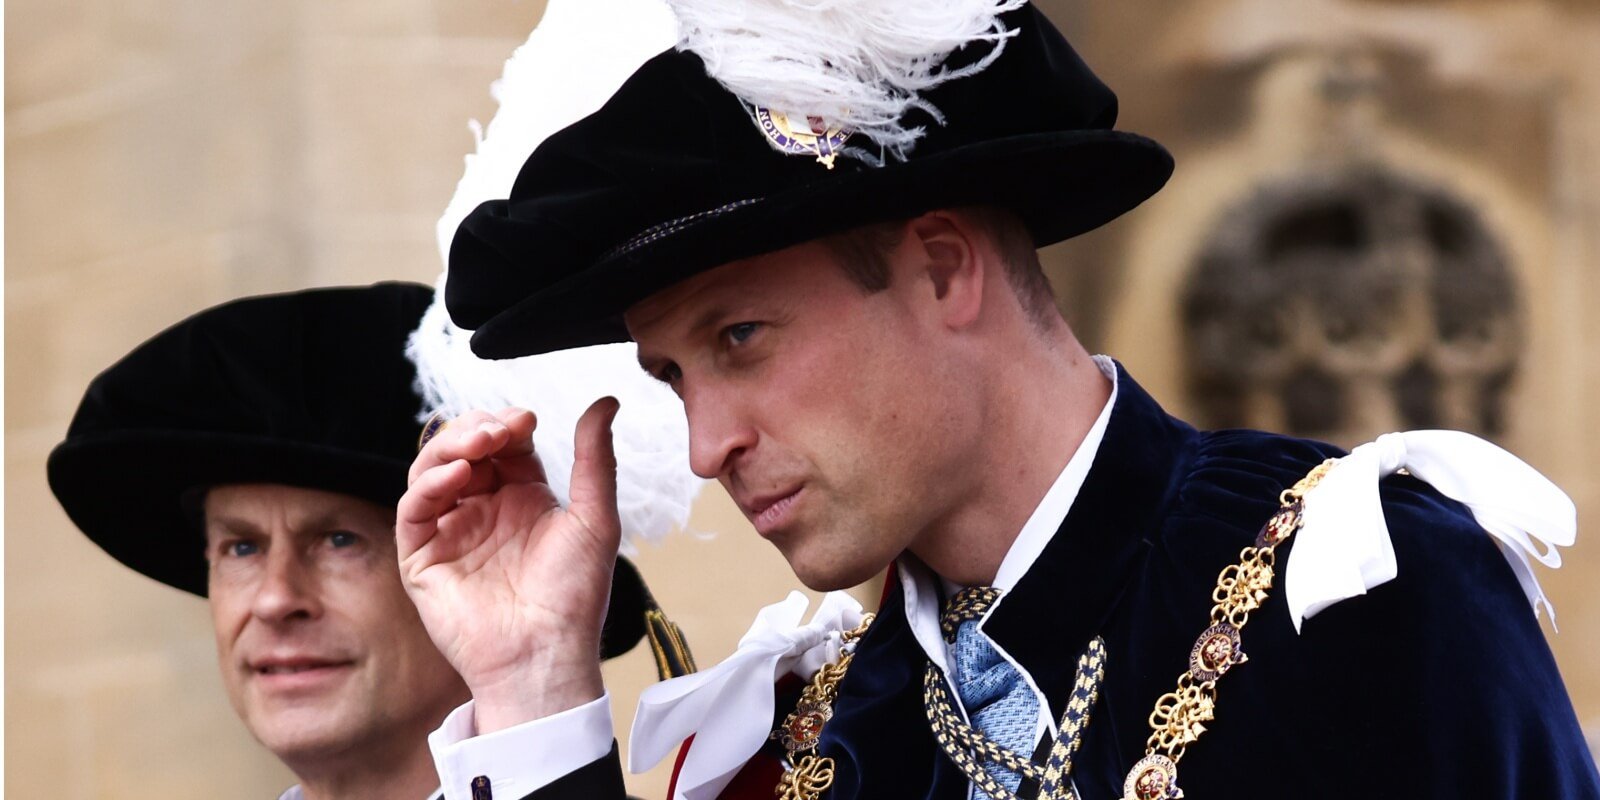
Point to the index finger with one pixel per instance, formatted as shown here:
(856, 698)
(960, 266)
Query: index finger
(520, 424)
(517, 461)
(430, 496)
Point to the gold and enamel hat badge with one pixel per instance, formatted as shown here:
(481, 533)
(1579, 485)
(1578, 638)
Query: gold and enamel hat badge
(812, 137)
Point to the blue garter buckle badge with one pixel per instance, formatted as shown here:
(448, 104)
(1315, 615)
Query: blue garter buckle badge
(814, 137)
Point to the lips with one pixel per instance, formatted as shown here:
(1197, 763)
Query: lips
(769, 513)
(291, 669)
(289, 672)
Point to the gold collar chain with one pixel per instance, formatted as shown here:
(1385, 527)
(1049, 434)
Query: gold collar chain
(1180, 716)
(807, 776)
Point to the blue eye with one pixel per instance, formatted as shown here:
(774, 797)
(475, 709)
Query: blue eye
(242, 548)
(741, 332)
(342, 538)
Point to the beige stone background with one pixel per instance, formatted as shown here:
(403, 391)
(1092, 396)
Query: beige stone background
(165, 155)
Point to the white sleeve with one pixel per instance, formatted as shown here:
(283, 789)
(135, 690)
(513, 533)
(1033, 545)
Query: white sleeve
(523, 758)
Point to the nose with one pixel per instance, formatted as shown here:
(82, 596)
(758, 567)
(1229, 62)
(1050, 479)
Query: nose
(719, 431)
(287, 590)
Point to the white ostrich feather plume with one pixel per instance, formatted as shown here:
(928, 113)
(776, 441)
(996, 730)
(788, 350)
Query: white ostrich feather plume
(856, 64)
(579, 55)
(571, 64)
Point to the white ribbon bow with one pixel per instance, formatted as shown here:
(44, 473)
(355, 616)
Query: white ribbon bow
(728, 708)
(1343, 548)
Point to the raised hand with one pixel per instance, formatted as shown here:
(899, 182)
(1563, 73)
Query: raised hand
(511, 586)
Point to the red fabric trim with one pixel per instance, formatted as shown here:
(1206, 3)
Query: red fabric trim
(790, 682)
(757, 780)
(754, 781)
(890, 583)
(677, 767)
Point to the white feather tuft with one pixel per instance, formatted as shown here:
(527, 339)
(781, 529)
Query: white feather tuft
(577, 57)
(856, 64)
(573, 62)
(654, 485)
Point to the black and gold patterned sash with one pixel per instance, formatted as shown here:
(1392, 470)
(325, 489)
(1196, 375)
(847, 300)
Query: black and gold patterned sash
(968, 748)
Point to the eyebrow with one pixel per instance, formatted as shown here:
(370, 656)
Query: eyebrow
(230, 524)
(652, 364)
(247, 526)
(710, 317)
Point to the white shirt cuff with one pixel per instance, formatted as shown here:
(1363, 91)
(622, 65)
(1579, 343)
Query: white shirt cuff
(523, 758)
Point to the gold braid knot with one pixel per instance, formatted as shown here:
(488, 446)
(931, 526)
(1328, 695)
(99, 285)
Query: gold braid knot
(968, 604)
(809, 778)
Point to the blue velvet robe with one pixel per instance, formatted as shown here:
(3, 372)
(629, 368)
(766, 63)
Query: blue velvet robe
(1438, 684)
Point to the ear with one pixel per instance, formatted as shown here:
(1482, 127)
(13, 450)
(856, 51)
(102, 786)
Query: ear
(945, 247)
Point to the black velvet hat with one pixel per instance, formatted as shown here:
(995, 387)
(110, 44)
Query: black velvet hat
(674, 175)
(309, 389)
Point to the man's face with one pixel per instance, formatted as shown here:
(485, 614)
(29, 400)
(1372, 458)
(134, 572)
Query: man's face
(833, 416)
(320, 649)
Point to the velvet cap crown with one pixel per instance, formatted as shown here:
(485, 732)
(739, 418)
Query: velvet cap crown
(309, 389)
(672, 177)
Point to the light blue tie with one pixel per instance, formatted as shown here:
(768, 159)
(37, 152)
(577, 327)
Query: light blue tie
(997, 700)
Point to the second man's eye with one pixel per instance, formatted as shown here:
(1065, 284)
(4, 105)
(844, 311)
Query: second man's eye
(242, 548)
(342, 538)
(740, 333)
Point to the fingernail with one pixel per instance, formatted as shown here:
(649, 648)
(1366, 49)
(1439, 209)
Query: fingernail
(491, 428)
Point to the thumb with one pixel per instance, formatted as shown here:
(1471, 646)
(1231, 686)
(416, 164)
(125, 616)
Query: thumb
(594, 474)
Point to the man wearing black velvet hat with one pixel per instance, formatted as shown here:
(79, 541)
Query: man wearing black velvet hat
(819, 223)
(252, 455)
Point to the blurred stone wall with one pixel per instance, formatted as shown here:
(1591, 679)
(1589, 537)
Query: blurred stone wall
(1487, 108)
(165, 155)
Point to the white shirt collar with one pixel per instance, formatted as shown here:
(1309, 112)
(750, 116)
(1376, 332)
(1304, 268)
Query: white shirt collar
(921, 586)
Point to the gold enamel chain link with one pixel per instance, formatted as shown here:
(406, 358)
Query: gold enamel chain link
(808, 775)
(1180, 716)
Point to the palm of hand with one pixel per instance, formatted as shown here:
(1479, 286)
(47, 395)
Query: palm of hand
(510, 566)
(503, 577)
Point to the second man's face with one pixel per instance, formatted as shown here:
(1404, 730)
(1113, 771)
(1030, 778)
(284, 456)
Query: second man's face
(320, 649)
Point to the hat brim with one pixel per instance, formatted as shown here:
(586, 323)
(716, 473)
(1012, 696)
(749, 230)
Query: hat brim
(126, 492)
(125, 489)
(1061, 184)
